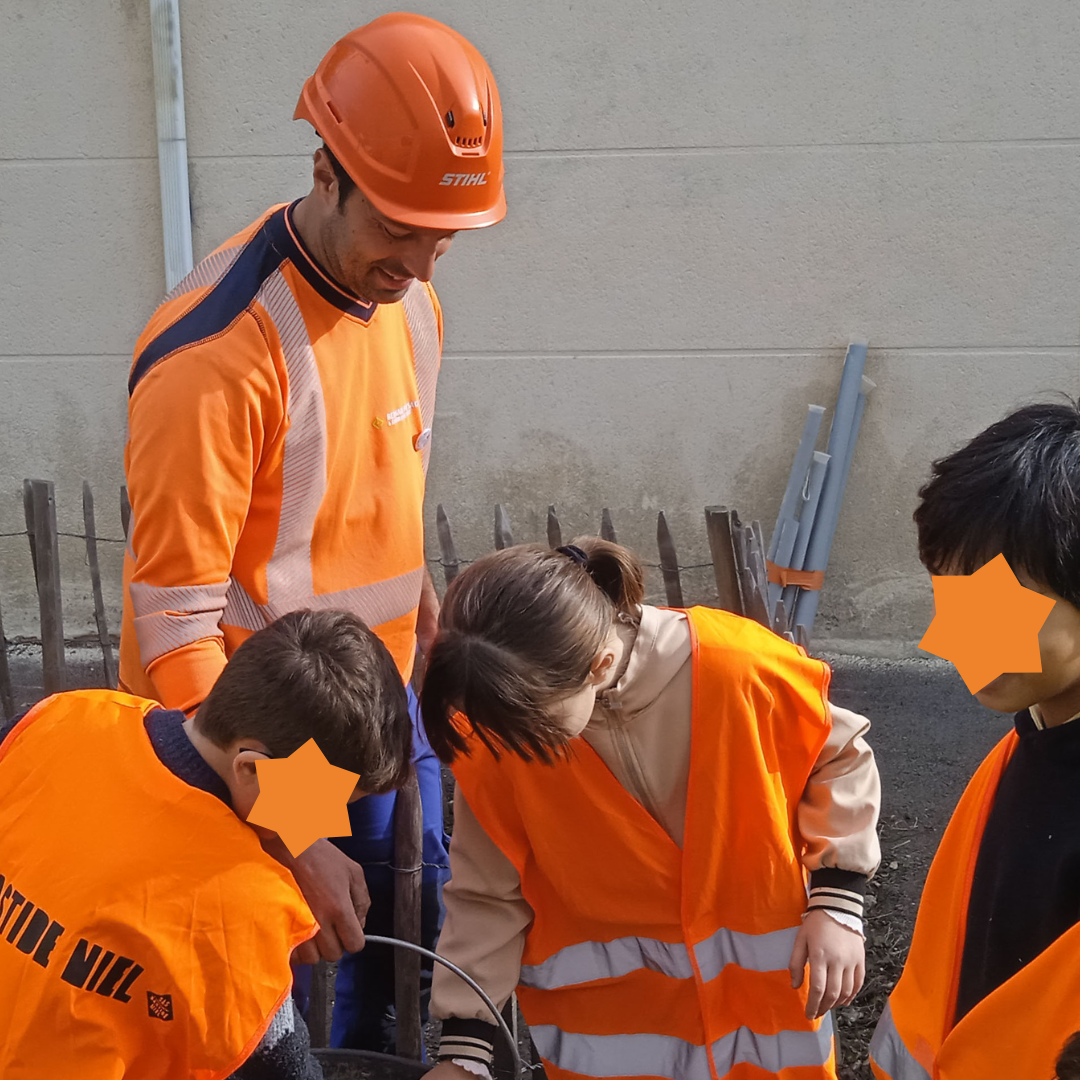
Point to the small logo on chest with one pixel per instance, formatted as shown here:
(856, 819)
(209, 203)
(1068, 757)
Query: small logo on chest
(402, 413)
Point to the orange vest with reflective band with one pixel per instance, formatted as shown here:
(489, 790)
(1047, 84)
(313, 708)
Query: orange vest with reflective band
(279, 435)
(1015, 1033)
(645, 959)
(144, 932)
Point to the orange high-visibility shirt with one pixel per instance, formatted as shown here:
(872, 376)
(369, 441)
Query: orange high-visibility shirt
(146, 935)
(279, 431)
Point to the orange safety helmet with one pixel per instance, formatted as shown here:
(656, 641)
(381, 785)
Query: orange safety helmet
(411, 111)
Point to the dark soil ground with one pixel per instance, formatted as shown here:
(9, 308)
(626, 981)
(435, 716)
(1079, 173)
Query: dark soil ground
(929, 736)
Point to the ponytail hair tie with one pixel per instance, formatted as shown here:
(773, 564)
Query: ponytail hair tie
(572, 551)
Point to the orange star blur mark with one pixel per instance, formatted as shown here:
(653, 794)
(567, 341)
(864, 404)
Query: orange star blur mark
(986, 623)
(303, 798)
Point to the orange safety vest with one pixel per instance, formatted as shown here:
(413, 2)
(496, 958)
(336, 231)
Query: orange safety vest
(644, 959)
(1015, 1033)
(144, 932)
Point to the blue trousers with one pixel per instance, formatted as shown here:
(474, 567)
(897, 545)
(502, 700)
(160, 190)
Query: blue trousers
(364, 1005)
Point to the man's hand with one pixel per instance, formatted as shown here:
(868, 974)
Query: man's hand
(837, 958)
(335, 889)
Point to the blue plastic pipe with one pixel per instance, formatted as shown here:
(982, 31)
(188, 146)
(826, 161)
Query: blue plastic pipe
(796, 482)
(850, 402)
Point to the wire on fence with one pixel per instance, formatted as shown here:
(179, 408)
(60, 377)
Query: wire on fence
(73, 536)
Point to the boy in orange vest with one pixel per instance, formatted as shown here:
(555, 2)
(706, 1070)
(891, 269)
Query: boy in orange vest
(992, 982)
(150, 934)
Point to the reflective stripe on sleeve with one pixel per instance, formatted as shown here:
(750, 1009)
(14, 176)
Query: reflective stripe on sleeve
(168, 618)
(587, 961)
(889, 1052)
(378, 603)
(648, 1054)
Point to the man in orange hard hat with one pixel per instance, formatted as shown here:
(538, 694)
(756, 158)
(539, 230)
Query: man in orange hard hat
(281, 406)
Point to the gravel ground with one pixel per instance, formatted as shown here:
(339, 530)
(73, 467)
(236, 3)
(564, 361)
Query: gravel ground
(929, 736)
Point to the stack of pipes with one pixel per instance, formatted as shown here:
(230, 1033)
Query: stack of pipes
(805, 527)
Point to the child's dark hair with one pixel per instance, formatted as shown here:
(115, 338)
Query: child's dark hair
(1014, 489)
(319, 675)
(518, 631)
(1068, 1064)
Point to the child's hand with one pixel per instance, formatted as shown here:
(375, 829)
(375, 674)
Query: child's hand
(837, 958)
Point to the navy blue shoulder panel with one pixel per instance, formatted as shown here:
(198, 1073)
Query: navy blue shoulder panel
(287, 241)
(222, 305)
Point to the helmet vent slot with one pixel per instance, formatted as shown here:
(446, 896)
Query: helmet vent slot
(461, 140)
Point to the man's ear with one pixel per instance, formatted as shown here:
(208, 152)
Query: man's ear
(323, 177)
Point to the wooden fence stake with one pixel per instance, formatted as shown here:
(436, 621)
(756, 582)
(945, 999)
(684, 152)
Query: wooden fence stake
(450, 563)
(125, 511)
(750, 558)
(669, 562)
(718, 524)
(39, 500)
(503, 536)
(7, 698)
(802, 637)
(108, 664)
(408, 854)
(607, 529)
(321, 1003)
(554, 529)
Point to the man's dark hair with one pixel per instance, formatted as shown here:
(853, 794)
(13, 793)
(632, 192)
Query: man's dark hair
(345, 183)
(1014, 489)
(319, 675)
(1068, 1064)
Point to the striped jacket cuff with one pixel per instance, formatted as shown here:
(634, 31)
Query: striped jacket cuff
(837, 890)
(473, 1040)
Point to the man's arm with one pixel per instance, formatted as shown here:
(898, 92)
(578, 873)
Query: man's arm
(200, 424)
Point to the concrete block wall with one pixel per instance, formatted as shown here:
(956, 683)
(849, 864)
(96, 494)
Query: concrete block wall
(707, 200)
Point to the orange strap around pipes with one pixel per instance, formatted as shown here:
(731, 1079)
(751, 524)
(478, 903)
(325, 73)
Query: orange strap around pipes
(784, 575)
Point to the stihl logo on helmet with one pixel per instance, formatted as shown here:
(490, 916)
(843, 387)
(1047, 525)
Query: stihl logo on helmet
(463, 179)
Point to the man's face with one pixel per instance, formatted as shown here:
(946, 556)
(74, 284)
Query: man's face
(374, 257)
(1057, 687)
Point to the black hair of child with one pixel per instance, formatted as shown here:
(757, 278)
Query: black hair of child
(1068, 1064)
(1013, 489)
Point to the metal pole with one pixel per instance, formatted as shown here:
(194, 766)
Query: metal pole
(172, 139)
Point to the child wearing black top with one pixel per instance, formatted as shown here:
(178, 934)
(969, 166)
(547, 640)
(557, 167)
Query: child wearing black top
(991, 987)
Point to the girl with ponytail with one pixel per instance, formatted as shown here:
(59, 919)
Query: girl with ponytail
(660, 822)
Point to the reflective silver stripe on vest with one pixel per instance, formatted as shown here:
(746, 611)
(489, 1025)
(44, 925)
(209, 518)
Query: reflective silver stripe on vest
(755, 952)
(889, 1053)
(377, 603)
(586, 961)
(167, 618)
(590, 960)
(424, 331)
(647, 1054)
(209, 272)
